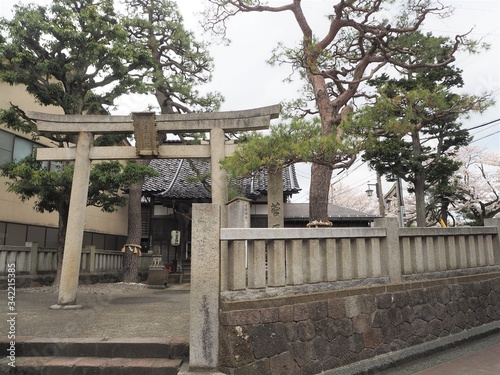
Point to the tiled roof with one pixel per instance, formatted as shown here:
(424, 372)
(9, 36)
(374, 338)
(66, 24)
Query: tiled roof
(180, 179)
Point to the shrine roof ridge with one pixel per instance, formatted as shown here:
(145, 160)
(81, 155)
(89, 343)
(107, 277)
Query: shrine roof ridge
(250, 119)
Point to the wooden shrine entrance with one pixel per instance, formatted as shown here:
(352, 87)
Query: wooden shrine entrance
(145, 127)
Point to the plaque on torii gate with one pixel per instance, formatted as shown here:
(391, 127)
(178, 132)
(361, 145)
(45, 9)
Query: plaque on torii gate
(145, 127)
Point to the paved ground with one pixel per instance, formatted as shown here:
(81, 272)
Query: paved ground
(110, 310)
(478, 357)
(125, 311)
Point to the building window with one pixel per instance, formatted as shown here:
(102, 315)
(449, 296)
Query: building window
(17, 148)
(3, 233)
(13, 147)
(6, 146)
(22, 148)
(51, 238)
(36, 234)
(13, 234)
(16, 234)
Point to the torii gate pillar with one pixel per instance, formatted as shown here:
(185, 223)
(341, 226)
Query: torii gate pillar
(76, 221)
(219, 179)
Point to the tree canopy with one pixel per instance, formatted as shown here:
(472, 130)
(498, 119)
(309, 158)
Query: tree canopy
(363, 38)
(76, 55)
(287, 143)
(181, 63)
(413, 127)
(80, 55)
(477, 196)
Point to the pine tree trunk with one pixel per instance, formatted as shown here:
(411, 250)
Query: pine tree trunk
(318, 192)
(131, 260)
(420, 200)
(419, 183)
(445, 204)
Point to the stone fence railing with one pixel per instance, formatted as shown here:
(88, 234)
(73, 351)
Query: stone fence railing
(31, 259)
(262, 258)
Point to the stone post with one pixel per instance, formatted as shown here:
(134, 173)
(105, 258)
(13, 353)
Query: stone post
(91, 258)
(238, 213)
(33, 257)
(76, 222)
(391, 255)
(275, 209)
(205, 288)
(275, 219)
(495, 222)
(238, 216)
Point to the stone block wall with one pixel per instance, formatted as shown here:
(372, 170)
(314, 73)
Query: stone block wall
(308, 334)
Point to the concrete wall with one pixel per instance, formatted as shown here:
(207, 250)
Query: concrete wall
(314, 332)
(15, 211)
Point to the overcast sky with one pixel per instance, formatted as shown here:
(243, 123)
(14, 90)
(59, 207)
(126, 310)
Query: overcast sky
(247, 81)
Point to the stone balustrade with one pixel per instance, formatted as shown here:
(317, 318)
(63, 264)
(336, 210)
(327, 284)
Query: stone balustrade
(261, 258)
(32, 260)
(425, 250)
(273, 258)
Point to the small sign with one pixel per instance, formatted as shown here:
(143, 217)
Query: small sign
(175, 238)
(146, 141)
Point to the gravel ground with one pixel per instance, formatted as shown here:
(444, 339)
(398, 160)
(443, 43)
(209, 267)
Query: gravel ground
(104, 288)
(110, 310)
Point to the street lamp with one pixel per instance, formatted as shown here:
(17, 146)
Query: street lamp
(369, 191)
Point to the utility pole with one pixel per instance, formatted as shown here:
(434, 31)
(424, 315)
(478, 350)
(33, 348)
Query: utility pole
(380, 196)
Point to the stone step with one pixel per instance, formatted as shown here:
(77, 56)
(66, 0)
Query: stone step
(90, 366)
(179, 278)
(148, 347)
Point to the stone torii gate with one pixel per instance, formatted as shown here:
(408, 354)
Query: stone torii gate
(145, 127)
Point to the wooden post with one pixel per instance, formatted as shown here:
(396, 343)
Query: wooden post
(219, 176)
(76, 222)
